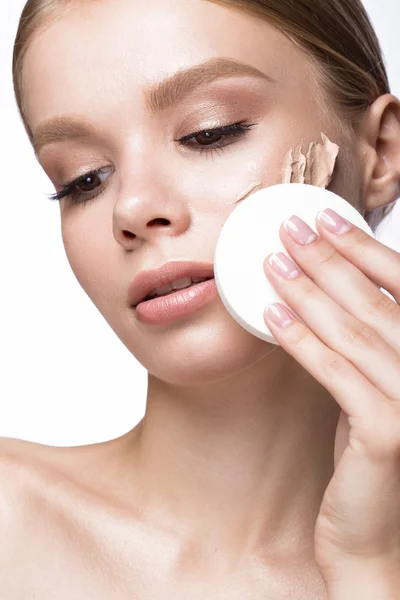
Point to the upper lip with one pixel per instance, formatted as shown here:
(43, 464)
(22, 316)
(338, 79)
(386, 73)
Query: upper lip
(146, 281)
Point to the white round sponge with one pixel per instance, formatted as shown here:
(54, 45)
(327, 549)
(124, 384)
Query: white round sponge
(251, 233)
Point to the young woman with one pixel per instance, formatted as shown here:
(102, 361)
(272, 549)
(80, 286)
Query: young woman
(258, 471)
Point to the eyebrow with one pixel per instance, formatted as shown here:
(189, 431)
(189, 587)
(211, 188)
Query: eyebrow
(158, 98)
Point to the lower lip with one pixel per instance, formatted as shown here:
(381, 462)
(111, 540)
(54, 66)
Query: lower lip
(181, 303)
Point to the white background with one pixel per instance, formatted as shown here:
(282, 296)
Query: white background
(65, 377)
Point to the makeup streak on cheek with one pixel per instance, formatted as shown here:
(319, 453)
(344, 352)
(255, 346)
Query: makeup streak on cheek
(249, 190)
(316, 168)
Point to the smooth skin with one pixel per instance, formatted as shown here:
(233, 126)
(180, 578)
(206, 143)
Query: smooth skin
(216, 492)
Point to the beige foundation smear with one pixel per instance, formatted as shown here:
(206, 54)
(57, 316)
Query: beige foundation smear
(250, 190)
(316, 168)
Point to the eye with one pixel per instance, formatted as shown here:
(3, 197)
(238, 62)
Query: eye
(84, 188)
(89, 182)
(210, 140)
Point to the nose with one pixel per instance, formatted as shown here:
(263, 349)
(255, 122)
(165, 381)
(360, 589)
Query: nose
(150, 206)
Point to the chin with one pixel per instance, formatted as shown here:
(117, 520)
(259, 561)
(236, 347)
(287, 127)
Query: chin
(200, 353)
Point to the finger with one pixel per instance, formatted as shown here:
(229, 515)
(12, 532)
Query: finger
(357, 396)
(335, 327)
(380, 263)
(344, 282)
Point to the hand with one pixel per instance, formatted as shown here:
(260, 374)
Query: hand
(350, 343)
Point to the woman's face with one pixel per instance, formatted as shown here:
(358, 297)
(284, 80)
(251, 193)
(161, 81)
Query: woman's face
(161, 200)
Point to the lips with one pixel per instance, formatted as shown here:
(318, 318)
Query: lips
(146, 281)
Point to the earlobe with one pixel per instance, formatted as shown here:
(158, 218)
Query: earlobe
(381, 156)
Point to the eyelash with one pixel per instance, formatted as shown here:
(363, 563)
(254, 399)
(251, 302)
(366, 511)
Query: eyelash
(70, 189)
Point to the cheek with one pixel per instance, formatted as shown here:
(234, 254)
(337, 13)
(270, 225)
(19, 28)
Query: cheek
(88, 252)
(215, 189)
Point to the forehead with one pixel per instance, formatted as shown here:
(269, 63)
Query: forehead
(99, 57)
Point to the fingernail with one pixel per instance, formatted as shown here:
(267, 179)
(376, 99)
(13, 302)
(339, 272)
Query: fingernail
(333, 222)
(279, 315)
(283, 265)
(299, 231)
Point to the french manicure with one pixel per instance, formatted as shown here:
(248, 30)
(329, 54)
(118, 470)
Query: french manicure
(279, 315)
(333, 222)
(300, 231)
(283, 265)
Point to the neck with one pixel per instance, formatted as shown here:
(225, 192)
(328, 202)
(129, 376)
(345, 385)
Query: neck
(241, 464)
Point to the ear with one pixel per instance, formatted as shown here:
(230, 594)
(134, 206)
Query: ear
(378, 145)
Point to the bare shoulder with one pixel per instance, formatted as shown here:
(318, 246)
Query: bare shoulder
(78, 465)
(24, 468)
(15, 453)
(29, 469)
(54, 484)
(38, 485)
(18, 456)
(13, 447)
(21, 464)
(15, 456)
(47, 524)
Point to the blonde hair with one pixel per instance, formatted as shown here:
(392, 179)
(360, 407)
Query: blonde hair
(337, 36)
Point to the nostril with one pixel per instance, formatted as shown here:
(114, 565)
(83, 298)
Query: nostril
(160, 221)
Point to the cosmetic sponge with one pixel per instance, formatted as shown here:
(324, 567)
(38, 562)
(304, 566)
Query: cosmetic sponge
(251, 233)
